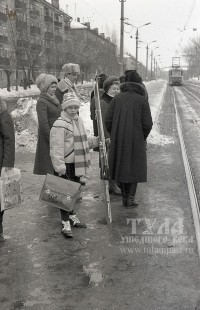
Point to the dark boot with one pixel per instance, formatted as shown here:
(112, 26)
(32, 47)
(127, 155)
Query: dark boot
(113, 188)
(131, 202)
(123, 193)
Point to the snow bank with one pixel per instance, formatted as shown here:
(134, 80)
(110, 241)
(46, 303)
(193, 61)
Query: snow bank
(156, 91)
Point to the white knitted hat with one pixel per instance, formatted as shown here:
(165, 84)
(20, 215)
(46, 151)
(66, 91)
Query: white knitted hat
(70, 99)
(71, 68)
(44, 81)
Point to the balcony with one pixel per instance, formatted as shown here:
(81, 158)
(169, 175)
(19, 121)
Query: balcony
(34, 30)
(3, 39)
(35, 47)
(48, 19)
(57, 24)
(22, 43)
(21, 25)
(48, 35)
(4, 61)
(34, 13)
(3, 17)
(58, 39)
(20, 4)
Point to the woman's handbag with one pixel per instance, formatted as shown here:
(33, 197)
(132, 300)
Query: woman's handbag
(60, 193)
(10, 188)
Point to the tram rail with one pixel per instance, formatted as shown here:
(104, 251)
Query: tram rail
(188, 171)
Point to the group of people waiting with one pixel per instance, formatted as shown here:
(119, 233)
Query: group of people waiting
(63, 145)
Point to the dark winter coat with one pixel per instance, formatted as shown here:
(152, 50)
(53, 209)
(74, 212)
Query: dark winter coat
(92, 111)
(7, 137)
(48, 111)
(105, 103)
(129, 122)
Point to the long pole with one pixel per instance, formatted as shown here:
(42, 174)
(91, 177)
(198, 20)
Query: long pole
(151, 65)
(147, 57)
(122, 38)
(136, 54)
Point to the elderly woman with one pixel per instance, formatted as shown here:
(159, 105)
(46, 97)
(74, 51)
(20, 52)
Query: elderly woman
(48, 111)
(129, 122)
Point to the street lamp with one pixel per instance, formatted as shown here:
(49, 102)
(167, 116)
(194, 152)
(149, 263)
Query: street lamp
(136, 37)
(152, 61)
(155, 66)
(147, 55)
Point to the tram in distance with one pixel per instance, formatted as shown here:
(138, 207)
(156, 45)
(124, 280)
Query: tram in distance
(176, 76)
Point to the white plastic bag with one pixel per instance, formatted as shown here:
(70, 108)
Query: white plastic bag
(10, 188)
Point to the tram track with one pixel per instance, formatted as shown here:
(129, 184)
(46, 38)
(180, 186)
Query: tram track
(187, 165)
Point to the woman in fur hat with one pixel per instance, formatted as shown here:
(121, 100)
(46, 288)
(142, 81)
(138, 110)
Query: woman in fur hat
(48, 111)
(7, 147)
(129, 122)
(69, 150)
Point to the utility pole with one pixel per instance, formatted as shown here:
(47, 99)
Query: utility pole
(147, 59)
(136, 54)
(151, 65)
(122, 38)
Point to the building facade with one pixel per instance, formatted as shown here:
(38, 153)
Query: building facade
(36, 36)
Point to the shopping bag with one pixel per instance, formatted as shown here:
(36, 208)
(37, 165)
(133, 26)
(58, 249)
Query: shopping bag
(10, 189)
(59, 192)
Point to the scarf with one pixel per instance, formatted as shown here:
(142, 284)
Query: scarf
(81, 148)
(66, 84)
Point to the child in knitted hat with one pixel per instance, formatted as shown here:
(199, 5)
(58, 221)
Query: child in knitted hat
(69, 151)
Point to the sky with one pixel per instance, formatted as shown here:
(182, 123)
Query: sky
(172, 24)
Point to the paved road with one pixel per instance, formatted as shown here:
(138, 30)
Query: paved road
(131, 265)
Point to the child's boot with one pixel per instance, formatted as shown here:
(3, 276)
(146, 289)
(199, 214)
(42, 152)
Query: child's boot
(66, 229)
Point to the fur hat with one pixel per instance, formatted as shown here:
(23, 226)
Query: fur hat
(44, 81)
(71, 68)
(70, 99)
(109, 81)
(132, 76)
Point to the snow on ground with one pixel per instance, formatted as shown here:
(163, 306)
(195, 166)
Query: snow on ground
(20, 93)
(25, 116)
(156, 91)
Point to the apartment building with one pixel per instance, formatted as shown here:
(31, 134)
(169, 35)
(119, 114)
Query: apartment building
(36, 36)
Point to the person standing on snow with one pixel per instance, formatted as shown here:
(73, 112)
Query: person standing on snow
(48, 111)
(111, 88)
(67, 84)
(69, 150)
(7, 147)
(101, 78)
(129, 123)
